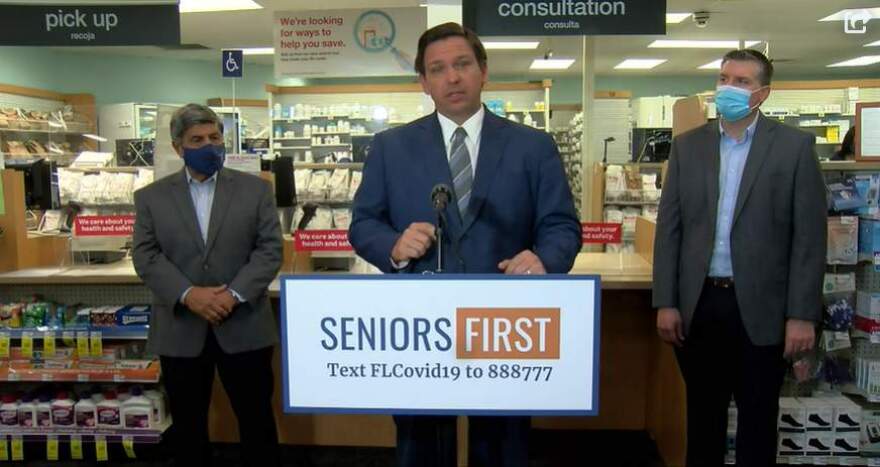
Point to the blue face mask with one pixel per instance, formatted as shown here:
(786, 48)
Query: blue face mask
(206, 160)
(732, 102)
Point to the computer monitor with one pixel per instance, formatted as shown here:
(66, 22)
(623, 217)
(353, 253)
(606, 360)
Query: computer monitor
(39, 192)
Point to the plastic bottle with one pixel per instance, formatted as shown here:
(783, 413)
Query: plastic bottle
(62, 410)
(9, 411)
(109, 411)
(158, 401)
(137, 411)
(86, 412)
(27, 412)
(44, 411)
(97, 395)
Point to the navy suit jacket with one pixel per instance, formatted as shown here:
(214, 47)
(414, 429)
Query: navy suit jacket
(520, 199)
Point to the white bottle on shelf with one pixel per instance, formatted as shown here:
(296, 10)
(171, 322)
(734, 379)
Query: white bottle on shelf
(9, 411)
(137, 411)
(97, 395)
(62, 410)
(276, 109)
(109, 411)
(44, 411)
(86, 412)
(27, 412)
(158, 402)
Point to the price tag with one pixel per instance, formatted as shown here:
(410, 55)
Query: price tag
(82, 378)
(128, 445)
(4, 448)
(82, 344)
(27, 344)
(52, 448)
(49, 344)
(13, 376)
(69, 338)
(118, 378)
(17, 449)
(4, 345)
(46, 377)
(76, 447)
(96, 344)
(101, 448)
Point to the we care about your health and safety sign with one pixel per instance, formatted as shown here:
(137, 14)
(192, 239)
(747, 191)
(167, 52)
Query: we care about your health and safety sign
(377, 42)
(441, 344)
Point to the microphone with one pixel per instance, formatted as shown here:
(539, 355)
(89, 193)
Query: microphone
(440, 196)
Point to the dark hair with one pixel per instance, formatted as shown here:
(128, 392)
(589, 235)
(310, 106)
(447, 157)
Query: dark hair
(749, 55)
(189, 116)
(444, 31)
(847, 146)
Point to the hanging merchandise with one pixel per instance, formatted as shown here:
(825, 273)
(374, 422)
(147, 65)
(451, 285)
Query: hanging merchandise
(843, 233)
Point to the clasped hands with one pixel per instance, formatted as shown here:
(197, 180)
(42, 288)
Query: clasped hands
(213, 304)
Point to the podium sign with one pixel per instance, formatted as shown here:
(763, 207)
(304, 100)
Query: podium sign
(441, 344)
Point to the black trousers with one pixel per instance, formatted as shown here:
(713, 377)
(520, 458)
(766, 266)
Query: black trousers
(719, 360)
(248, 380)
(426, 441)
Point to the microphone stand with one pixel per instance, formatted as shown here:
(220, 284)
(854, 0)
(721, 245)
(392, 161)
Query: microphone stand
(441, 221)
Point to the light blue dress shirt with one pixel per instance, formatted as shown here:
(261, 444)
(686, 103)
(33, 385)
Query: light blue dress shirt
(202, 194)
(733, 161)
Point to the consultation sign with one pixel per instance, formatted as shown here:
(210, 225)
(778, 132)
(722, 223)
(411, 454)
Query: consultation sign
(564, 17)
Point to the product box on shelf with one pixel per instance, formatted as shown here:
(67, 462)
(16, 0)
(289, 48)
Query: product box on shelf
(846, 444)
(869, 441)
(791, 444)
(847, 414)
(843, 240)
(792, 416)
(819, 414)
(819, 443)
(869, 239)
(868, 188)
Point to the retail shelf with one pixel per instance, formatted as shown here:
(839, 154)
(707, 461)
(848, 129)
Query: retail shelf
(82, 375)
(295, 138)
(829, 125)
(330, 145)
(363, 135)
(148, 436)
(308, 165)
(56, 132)
(850, 166)
(320, 133)
(632, 203)
(293, 147)
(290, 120)
(519, 111)
(133, 169)
(313, 117)
(108, 332)
(323, 201)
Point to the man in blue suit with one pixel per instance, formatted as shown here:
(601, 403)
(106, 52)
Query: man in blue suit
(511, 212)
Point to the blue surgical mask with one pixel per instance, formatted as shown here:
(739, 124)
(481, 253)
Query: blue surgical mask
(206, 160)
(732, 102)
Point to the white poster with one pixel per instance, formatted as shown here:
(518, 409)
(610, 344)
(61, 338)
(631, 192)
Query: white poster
(249, 163)
(377, 42)
(441, 344)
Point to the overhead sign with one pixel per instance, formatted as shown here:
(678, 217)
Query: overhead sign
(68, 24)
(232, 63)
(441, 344)
(592, 232)
(564, 17)
(378, 42)
(103, 226)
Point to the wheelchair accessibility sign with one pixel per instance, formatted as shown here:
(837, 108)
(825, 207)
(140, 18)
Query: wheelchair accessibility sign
(232, 63)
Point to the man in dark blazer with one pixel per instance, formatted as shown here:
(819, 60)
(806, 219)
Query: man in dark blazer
(739, 258)
(511, 212)
(207, 243)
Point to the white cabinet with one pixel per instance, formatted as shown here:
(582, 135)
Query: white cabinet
(653, 112)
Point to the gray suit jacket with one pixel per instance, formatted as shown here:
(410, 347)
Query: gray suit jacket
(243, 251)
(777, 238)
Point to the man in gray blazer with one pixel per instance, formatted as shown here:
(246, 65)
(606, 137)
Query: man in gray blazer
(207, 243)
(739, 258)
